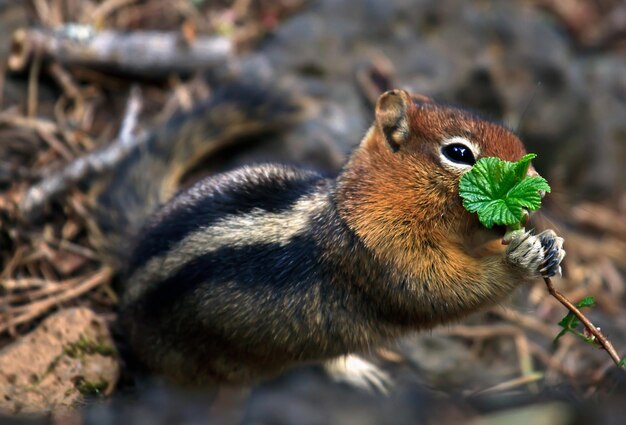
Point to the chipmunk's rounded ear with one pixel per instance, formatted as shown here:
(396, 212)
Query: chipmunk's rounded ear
(392, 109)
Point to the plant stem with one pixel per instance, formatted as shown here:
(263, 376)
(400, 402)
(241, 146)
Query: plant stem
(600, 338)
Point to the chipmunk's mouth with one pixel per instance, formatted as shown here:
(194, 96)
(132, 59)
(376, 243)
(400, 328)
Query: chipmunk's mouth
(499, 230)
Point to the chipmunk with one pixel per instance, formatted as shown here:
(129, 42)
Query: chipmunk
(256, 270)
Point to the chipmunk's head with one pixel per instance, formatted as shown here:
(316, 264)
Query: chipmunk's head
(401, 186)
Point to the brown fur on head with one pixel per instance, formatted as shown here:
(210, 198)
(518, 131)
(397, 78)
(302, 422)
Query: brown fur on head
(399, 192)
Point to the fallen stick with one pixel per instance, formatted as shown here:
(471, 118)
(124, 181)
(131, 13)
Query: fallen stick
(602, 340)
(149, 54)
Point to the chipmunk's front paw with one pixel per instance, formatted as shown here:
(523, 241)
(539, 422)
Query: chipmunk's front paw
(554, 253)
(540, 255)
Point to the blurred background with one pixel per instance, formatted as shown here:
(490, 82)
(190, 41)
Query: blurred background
(79, 76)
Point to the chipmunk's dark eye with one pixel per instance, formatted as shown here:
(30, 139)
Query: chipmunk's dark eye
(457, 152)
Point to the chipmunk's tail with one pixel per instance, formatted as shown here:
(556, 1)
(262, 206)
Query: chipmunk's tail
(151, 173)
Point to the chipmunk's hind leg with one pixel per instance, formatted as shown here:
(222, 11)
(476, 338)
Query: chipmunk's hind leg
(358, 372)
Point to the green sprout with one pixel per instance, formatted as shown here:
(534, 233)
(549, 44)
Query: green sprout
(570, 322)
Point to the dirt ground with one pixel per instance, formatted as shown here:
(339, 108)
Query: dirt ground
(554, 71)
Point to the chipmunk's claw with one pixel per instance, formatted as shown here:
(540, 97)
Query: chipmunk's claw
(553, 253)
(540, 255)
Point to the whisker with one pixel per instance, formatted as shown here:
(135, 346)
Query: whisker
(527, 106)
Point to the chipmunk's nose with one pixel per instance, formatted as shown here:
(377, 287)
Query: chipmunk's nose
(533, 173)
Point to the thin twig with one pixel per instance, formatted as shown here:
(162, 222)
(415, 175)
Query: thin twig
(511, 384)
(27, 283)
(107, 8)
(3, 72)
(33, 85)
(96, 162)
(56, 145)
(526, 360)
(481, 332)
(599, 336)
(38, 308)
(44, 14)
(32, 296)
(525, 321)
(34, 124)
(65, 81)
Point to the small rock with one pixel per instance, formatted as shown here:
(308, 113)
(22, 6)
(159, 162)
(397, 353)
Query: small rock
(69, 356)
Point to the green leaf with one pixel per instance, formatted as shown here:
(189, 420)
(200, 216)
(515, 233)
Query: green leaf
(499, 191)
(586, 302)
(521, 166)
(526, 192)
(569, 322)
(622, 363)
